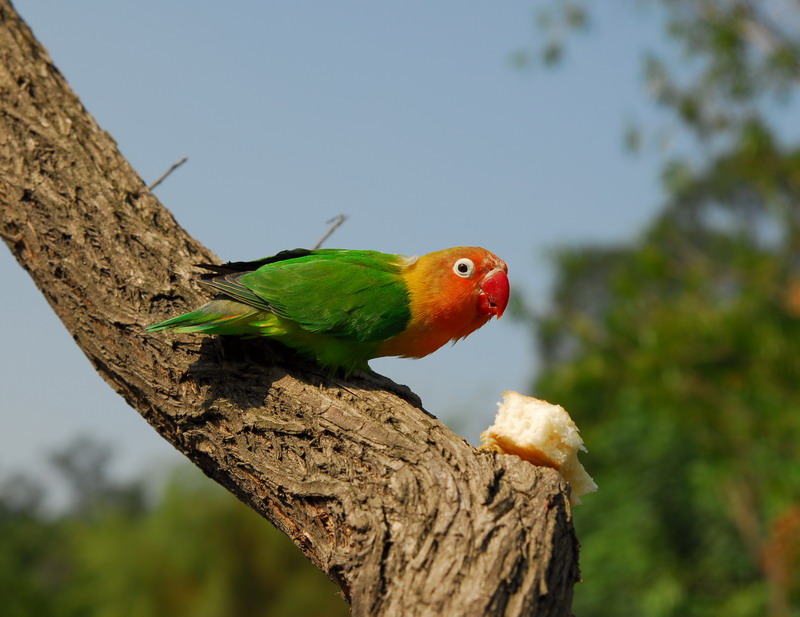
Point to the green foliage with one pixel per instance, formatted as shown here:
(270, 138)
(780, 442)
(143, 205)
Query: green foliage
(25, 574)
(197, 551)
(557, 19)
(677, 354)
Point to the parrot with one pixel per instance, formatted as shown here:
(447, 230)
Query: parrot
(344, 307)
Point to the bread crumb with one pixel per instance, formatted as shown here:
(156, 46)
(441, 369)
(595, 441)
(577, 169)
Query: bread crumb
(542, 434)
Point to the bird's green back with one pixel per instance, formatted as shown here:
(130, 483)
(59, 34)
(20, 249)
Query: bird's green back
(333, 304)
(356, 296)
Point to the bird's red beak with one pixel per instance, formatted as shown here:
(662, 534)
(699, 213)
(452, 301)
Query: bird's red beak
(493, 298)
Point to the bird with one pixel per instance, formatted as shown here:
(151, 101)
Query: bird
(344, 307)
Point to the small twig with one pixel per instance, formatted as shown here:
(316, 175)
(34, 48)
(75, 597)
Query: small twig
(337, 221)
(167, 173)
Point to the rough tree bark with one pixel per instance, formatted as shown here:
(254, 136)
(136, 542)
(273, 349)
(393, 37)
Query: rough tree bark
(405, 516)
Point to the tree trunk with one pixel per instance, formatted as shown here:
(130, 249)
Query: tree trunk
(405, 516)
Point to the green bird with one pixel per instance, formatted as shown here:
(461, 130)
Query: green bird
(344, 307)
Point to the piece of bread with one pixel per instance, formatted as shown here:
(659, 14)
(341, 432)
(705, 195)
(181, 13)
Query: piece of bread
(540, 433)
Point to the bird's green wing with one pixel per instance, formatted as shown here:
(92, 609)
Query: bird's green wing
(355, 296)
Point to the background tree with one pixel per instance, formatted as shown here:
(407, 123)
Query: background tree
(677, 352)
(191, 550)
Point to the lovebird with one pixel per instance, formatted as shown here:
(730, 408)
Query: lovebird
(344, 307)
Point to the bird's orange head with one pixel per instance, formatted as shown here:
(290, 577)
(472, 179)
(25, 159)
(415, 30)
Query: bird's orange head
(471, 277)
(452, 293)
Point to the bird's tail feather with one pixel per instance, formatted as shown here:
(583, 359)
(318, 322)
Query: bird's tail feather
(220, 316)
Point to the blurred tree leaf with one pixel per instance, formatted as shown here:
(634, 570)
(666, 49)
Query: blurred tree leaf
(195, 551)
(676, 353)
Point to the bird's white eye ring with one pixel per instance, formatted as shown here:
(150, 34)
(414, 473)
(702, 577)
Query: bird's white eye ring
(464, 268)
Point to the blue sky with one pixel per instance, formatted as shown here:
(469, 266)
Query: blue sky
(408, 117)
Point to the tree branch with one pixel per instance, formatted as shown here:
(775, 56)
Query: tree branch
(403, 514)
(334, 223)
(166, 174)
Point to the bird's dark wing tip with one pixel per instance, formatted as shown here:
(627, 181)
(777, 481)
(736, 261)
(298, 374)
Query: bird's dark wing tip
(233, 267)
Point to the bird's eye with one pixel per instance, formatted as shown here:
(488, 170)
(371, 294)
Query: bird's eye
(464, 268)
